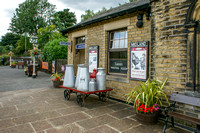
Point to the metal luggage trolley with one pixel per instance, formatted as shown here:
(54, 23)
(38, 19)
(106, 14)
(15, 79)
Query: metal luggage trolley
(82, 95)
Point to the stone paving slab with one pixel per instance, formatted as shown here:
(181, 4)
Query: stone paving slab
(40, 108)
(55, 114)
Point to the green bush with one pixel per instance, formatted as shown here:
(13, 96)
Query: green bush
(53, 50)
(4, 49)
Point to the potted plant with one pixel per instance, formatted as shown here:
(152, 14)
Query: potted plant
(26, 70)
(147, 99)
(57, 79)
(13, 64)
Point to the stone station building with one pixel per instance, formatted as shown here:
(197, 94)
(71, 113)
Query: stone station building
(154, 39)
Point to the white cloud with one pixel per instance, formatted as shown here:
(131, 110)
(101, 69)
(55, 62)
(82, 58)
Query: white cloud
(7, 8)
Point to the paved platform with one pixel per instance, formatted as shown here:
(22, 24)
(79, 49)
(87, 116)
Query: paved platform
(42, 109)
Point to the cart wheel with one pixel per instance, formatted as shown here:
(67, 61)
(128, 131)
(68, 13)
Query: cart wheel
(80, 100)
(103, 97)
(66, 94)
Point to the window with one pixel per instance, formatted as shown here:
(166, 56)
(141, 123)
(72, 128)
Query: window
(117, 52)
(80, 40)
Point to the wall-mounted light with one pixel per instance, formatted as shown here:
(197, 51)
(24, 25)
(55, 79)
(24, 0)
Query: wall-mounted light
(148, 15)
(139, 23)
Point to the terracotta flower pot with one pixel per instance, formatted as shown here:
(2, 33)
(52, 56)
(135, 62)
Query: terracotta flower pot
(147, 118)
(56, 84)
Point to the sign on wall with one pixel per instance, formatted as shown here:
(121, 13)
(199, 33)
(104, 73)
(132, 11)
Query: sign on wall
(139, 58)
(118, 66)
(65, 43)
(53, 66)
(93, 57)
(63, 68)
(45, 65)
(80, 46)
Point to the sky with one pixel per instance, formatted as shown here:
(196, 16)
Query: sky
(7, 8)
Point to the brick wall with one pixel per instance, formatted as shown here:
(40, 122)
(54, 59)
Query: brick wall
(98, 35)
(171, 48)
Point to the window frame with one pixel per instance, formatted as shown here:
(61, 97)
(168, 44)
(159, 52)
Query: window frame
(116, 50)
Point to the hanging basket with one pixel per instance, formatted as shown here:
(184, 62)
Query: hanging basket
(147, 118)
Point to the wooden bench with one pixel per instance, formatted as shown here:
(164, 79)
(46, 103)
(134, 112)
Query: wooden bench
(20, 63)
(170, 111)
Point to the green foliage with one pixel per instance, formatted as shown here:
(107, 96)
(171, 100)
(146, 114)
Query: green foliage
(4, 49)
(31, 15)
(4, 56)
(9, 38)
(13, 63)
(64, 19)
(88, 14)
(131, 0)
(148, 93)
(57, 77)
(47, 34)
(53, 50)
(19, 50)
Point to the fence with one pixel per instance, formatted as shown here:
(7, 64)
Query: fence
(55, 66)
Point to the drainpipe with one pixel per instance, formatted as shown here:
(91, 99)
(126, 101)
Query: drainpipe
(194, 60)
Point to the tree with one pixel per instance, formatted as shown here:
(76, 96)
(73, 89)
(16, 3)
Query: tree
(31, 15)
(53, 50)
(9, 38)
(47, 34)
(20, 46)
(64, 19)
(90, 13)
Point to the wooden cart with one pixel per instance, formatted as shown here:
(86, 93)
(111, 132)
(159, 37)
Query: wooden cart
(82, 95)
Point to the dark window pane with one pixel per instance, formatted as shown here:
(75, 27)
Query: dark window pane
(118, 66)
(111, 44)
(112, 36)
(118, 55)
(80, 40)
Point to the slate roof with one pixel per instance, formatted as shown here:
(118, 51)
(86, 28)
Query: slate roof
(112, 13)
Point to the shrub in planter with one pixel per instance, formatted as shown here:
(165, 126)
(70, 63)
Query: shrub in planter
(13, 64)
(147, 99)
(57, 79)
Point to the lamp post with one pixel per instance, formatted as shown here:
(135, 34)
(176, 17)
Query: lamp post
(34, 40)
(10, 54)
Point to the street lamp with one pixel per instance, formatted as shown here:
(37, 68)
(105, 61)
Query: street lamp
(10, 54)
(34, 40)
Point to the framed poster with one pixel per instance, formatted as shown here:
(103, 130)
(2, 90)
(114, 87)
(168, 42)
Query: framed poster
(63, 68)
(93, 57)
(45, 65)
(53, 66)
(139, 60)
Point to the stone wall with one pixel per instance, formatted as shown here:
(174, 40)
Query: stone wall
(171, 48)
(97, 34)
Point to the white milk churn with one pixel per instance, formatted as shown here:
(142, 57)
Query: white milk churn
(92, 85)
(83, 82)
(69, 76)
(78, 75)
(101, 79)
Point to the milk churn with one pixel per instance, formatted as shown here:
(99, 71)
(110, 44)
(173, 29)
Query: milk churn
(69, 76)
(92, 83)
(78, 75)
(101, 79)
(83, 82)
